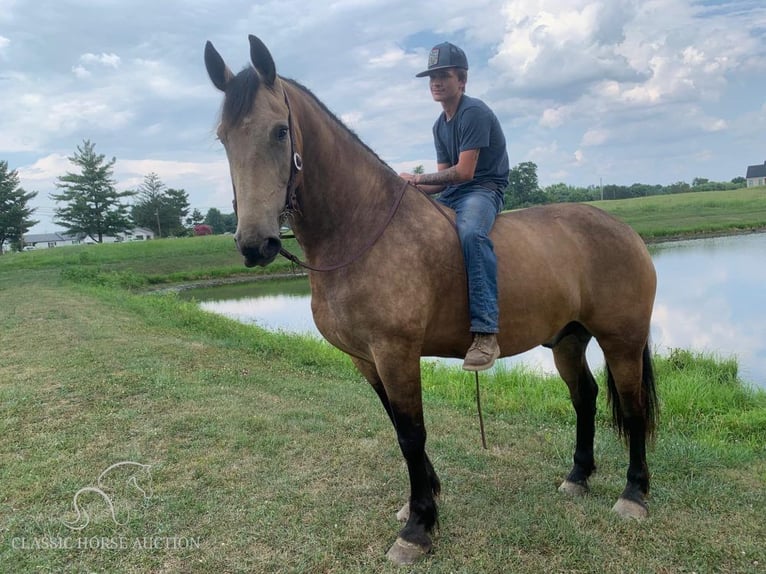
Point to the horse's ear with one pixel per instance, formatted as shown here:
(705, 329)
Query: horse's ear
(219, 72)
(262, 60)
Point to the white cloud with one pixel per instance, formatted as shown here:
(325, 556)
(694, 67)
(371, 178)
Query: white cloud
(45, 169)
(108, 60)
(80, 72)
(595, 137)
(554, 117)
(649, 90)
(388, 59)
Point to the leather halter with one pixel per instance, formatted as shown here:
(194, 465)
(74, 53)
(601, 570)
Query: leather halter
(292, 204)
(296, 167)
(296, 163)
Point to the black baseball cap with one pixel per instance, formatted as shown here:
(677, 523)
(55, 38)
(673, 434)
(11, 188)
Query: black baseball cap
(444, 55)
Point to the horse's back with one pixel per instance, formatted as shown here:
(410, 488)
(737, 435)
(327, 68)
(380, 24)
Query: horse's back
(566, 263)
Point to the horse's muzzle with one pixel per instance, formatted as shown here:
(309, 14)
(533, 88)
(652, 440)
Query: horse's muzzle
(259, 253)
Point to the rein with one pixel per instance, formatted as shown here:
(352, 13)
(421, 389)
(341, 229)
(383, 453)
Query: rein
(367, 246)
(291, 204)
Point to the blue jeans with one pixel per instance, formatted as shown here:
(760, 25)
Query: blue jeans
(476, 208)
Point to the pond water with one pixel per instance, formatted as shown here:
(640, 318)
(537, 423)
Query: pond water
(711, 297)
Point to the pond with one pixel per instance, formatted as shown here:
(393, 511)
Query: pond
(711, 297)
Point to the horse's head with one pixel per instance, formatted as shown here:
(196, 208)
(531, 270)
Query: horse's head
(255, 130)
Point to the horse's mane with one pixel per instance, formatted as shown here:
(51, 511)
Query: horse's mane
(240, 93)
(242, 89)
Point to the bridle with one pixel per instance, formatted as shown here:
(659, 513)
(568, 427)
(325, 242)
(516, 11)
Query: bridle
(292, 205)
(296, 163)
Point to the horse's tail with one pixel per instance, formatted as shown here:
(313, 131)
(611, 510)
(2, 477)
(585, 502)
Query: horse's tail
(649, 399)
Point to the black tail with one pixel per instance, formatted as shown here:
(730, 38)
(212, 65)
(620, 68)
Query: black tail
(651, 406)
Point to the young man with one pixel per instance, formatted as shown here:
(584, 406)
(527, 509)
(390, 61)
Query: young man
(472, 173)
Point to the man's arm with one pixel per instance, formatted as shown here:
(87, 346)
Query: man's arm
(447, 174)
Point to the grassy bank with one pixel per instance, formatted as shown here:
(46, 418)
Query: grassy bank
(268, 453)
(690, 214)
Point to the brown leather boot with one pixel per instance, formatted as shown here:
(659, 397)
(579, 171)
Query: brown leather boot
(482, 353)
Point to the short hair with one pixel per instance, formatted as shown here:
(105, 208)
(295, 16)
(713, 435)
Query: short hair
(462, 74)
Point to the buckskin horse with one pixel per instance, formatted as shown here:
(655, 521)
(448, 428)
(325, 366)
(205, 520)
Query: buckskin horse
(388, 283)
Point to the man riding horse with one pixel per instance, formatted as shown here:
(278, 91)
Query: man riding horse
(472, 173)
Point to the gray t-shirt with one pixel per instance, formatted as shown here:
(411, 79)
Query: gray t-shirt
(474, 126)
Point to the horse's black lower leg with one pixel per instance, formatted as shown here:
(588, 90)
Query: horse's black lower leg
(632, 393)
(569, 355)
(371, 374)
(433, 479)
(423, 513)
(584, 402)
(637, 486)
(400, 395)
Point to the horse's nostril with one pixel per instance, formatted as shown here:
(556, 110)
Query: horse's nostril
(271, 247)
(260, 252)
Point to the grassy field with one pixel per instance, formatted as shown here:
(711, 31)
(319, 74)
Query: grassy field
(688, 214)
(268, 453)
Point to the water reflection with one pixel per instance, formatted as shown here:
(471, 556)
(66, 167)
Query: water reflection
(279, 305)
(710, 297)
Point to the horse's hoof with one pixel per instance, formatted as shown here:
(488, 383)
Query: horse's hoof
(404, 513)
(573, 489)
(629, 509)
(403, 553)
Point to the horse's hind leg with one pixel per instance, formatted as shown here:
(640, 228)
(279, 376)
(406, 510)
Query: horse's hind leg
(630, 381)
(569, 356)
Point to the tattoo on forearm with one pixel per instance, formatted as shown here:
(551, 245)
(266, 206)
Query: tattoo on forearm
(443, 177)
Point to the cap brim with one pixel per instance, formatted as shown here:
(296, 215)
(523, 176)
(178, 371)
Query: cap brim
(434, 69)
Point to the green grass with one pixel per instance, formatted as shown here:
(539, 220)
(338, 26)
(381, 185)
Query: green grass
(269, 453)
(138, 265)
(689, 214)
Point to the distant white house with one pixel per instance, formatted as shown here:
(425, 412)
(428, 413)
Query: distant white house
(137, 234)
(756, 175)
(48, 240)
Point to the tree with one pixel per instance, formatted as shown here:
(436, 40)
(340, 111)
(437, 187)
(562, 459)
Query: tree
(196, 218)
(202, 229)
(523, 189)
(159, 208)
(229, 222)
(419, 169)
(214, 218)
(15, 216)
(93, 205)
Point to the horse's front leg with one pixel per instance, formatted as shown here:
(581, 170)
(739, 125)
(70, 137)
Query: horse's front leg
(414, 539)
(399, 373)
(371, 374)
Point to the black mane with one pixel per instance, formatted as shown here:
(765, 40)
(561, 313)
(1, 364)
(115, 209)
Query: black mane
(240, 93)
(243, 88)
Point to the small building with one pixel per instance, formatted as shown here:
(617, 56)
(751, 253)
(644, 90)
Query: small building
(48, 240)
(137, 234)
(756, 175)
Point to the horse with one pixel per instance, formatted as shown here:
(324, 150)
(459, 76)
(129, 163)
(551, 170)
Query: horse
(388, 282)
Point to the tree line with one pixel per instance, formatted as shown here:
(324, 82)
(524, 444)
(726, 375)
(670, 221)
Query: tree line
(523, 189)
(89, 204)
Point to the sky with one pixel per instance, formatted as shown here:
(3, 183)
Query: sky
(592, 91)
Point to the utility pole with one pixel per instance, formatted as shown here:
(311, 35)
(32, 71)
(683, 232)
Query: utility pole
(159, 229)
(601, 188)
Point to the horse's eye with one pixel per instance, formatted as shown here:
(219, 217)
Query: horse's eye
(282, 133)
